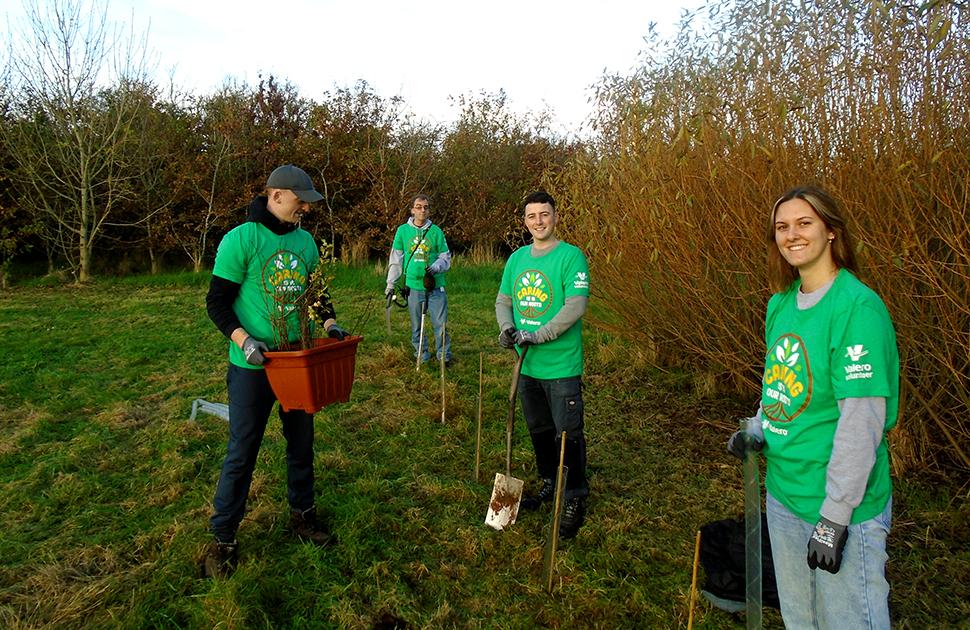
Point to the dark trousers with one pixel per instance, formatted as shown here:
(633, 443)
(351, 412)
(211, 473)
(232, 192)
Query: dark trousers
(552, 406)
(250, 401)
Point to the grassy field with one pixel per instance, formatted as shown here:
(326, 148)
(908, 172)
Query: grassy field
(105, 485)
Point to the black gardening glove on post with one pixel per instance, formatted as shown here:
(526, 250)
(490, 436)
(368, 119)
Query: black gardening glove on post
(826, 545)
(429, 281)
(506, 338)
(738, 446)
(254, 349)
(338, 333)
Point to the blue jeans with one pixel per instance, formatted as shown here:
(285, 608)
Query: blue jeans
(250, 401)
(551, 406)
(438, 312)
(855, 597)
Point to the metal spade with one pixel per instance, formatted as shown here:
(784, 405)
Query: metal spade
(503, 507)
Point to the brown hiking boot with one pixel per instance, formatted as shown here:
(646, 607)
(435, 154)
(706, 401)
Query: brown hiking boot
(305, 525)
(220, 559)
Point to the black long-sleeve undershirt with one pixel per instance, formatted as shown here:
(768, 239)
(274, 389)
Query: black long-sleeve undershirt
(218, 304)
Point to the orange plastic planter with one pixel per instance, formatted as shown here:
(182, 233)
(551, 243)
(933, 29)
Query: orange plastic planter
(312, 379)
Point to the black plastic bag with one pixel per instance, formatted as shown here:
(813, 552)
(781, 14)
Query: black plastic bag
(722, 557)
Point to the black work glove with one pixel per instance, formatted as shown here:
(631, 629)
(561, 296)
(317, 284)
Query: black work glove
(826, 545)
(338, 333)
(506, 338)
(429, 281)
(254, 349)
(738, 447)
(525, 338)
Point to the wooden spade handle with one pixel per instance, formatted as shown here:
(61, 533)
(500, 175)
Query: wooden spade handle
(511, 419)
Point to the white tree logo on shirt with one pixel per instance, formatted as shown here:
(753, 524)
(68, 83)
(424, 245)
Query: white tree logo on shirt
(787, 353)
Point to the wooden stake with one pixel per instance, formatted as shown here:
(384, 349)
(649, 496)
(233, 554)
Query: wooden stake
(693, 581)
(478, 432)
(441, 351)
(553, 544)
(417, 361)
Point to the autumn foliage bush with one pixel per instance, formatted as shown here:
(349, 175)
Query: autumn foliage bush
(870, 100)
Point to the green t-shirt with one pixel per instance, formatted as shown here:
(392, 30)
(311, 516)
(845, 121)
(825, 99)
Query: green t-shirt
(842, 347)
(539, 286)
(421, 248)
(272, 270)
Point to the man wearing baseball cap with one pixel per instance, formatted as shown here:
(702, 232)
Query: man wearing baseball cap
(295, 179)
(239, 302)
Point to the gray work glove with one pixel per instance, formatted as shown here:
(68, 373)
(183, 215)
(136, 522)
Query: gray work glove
(525, 338)
(826, 545)
(506, 338)
(338, 333)
(389, 291)
(738, 447)
(254, 349)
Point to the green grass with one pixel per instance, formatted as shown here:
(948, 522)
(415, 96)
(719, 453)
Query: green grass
(105, 485)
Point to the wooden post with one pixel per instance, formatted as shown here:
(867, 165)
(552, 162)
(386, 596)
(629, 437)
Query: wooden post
(478, 432)
(693, 581)
(441, 351)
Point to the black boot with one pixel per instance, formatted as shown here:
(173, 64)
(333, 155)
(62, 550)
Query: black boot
(305, 525)
(573, 515)
(546, 493)
(220, 559)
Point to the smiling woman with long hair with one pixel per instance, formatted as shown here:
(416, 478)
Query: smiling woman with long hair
(830, 394)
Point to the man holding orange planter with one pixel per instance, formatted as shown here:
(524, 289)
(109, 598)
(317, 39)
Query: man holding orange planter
(257, 261)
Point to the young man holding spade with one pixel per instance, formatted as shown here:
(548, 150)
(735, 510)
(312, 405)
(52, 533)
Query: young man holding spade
(540, 303)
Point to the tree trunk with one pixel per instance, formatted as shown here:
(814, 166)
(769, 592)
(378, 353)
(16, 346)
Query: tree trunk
(84, 248)
(84, 267)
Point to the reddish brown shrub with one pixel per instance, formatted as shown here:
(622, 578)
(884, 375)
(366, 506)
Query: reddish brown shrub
(871, 102)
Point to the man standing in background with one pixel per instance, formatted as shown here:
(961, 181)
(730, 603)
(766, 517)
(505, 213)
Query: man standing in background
(540, 303)
(420, 252)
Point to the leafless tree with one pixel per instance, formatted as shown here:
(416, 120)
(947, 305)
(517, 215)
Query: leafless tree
(76, 82)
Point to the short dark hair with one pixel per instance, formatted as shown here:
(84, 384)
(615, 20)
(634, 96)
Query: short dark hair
(539, 196)
(422, 197)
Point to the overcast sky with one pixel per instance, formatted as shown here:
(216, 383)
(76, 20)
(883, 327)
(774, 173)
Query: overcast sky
(543, 53)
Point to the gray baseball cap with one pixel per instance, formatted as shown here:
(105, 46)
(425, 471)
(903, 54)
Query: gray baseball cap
(289, 177)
